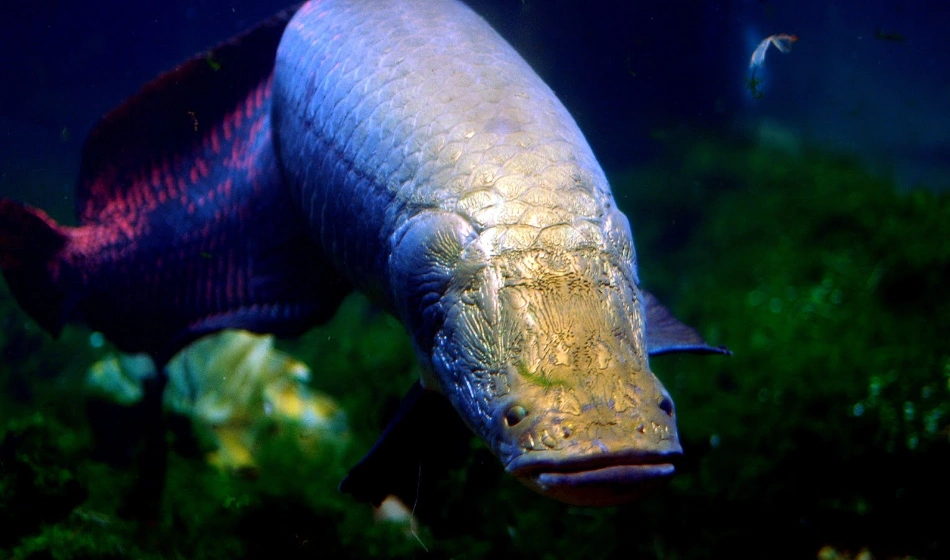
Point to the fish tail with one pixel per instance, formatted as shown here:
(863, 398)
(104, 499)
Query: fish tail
(31, 249)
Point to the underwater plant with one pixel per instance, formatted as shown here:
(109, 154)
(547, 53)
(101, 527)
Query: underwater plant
(236, 389)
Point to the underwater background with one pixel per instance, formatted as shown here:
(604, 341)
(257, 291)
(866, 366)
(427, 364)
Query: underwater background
(798, 215)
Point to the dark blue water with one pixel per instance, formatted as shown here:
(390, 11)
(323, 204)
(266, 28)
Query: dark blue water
(866, 77)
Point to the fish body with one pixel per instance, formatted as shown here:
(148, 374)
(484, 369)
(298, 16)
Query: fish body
(464, 197)
(430, 168)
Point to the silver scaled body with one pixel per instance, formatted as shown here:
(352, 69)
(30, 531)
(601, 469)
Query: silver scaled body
(443, 178)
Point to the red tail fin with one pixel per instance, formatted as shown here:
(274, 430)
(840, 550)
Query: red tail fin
(30, 247)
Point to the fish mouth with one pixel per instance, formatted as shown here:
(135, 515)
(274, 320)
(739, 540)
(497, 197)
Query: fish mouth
(596, 480)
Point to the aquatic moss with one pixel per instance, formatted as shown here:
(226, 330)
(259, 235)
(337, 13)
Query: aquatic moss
(39, 483)
(830, 287)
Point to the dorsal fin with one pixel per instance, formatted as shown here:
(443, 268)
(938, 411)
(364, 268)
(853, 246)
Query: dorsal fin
(173, 114)
(185, 224)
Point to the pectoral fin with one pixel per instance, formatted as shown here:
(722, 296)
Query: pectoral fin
(666, 334)
(425, 436)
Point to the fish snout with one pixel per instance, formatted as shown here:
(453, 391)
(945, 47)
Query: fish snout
(596, 454)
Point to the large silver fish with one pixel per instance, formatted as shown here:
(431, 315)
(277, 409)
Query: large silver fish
(402, 148)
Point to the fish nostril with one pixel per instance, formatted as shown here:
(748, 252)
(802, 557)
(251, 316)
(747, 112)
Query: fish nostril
(515, 415)
(666, 405)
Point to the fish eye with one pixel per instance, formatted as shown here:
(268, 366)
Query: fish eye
(666, 405)
(515, 414)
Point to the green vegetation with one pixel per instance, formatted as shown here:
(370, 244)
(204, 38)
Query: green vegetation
(829, 427)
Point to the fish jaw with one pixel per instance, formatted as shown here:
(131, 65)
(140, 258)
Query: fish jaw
(543, 354)
(589, 446)
(607, 480)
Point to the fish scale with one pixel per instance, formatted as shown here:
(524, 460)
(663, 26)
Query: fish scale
(439, 129)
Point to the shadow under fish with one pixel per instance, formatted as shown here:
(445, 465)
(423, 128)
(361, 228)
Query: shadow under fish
(420, 161)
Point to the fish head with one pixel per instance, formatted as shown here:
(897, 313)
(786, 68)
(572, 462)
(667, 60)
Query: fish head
(543, 354)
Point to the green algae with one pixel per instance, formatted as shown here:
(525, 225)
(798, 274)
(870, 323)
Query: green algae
(37, 465)
(829, 286)
(828, 427)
